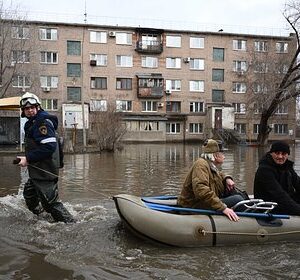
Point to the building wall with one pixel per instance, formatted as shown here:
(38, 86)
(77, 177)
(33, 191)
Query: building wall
(81, 33)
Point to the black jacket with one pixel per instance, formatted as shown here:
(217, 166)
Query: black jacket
(278, 183)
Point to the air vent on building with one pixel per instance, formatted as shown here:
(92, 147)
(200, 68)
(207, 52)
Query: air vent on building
(168, 92)
(112, 34)
(160, 105)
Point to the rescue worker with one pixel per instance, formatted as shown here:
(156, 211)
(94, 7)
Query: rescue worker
(42, 159)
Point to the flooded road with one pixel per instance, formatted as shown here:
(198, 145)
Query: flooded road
(99, 247)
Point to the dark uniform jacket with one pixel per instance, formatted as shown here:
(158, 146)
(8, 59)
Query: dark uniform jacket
(278, 183)
(203, 187)
(41, 146)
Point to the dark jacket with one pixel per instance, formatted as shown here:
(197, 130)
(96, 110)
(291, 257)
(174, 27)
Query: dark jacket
(278, 183)
(41, 146)
(203, 187)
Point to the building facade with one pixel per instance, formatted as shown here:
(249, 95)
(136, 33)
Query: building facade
(170, 85)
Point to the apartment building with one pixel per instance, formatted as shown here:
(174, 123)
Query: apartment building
(170, 85)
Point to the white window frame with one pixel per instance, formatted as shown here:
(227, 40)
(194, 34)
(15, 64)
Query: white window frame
(239, 87)
(21, 81)
(101, 59)
(282, 109)
(173, 41)
(48, 34)
(196, 85)
(261, 46)
(239, 66)
(173, 128)
(99, 37)
(196, 64)
(196, 42)
(124, 105)
(99, 105)
(281, 47)
(50, 104)
(239, 45)
(197, 107)
(20, 56)
(173, 63)
(149, 62)
(124, 61)
(123, 38)
(149, 106)
(196, 128)
(173, 85)
(240, 128)
(279, 128)
(49, 81)
(19, 32)
(52, 56)
(239, 108)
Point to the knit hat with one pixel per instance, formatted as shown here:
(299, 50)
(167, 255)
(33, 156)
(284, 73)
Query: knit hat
(280, 146)
(211, 146)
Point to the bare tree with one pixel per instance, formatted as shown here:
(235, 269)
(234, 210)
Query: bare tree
(15, 49)
(281, 82)
(107, 128)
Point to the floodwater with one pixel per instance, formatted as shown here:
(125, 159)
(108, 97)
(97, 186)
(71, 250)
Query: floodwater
(99, 247)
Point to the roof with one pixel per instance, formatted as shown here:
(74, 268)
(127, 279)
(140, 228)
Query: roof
(10, 103)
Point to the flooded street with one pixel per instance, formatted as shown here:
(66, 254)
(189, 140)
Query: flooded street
(99, 247)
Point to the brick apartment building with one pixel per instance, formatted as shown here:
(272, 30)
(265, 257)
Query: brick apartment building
(171, 85)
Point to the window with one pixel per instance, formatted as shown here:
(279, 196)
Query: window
(98, 105)
(282, 109)
(21, 81)
(239, 108)
(98, 37)
(261, 46)
(240, 128)
(19, 32)
(281, 129)
(281, 47)
(218, 54)
(217, 95)
(48, 34)
(218, 75)
(173, 106)
(98, 82)
(196, 42)
(258, 108)
(124, 83)
(173, 62)
(239, 45)
(49, 81)
(74, 94)
(239, 66)
(259, 88)
(101, 59)
(73, 47)
(260, 67)
(197, 107)
(124, 60)
(282, 68)
(196, 128)
(173, 41)
(196, 64)
(197, 86)
(149, 125)
(173, 127)
(238, 87)
(73, 69)
(49, 57)
(49, 104)
(123, 38)
(150, 83)
(256, 128)
(173, 85)
(20, 56)
(149, 106)
(149, 62)
(123, 105)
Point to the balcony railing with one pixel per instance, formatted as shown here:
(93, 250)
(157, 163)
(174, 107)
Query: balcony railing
(154, 47)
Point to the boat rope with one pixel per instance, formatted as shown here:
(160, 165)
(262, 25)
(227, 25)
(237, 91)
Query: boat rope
(261, 234)
(57, 176)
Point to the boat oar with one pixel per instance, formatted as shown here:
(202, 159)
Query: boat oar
(167, 208)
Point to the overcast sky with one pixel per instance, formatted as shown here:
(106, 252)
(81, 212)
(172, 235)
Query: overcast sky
(214, 13)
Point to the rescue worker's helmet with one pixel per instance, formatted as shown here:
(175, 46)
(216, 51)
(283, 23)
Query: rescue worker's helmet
(29, 99)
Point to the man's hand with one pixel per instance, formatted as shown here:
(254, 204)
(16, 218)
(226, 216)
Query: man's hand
(23, 161)
(231, 214)
(230, 184)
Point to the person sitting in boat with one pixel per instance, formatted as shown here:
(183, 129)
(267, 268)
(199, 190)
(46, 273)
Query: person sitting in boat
(206, 187)
(277, 181)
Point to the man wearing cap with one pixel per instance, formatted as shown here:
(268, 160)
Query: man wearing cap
(276, 180)
(206, 187)
(42, 159)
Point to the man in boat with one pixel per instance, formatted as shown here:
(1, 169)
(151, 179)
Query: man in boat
(206, 187)
(277, 181)
(42, 159)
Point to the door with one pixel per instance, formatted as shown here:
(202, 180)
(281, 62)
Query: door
(218, 119)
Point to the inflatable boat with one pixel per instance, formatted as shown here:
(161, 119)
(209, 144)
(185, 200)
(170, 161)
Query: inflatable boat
(160, 219)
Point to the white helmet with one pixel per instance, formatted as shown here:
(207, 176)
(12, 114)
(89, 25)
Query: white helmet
(30, 99)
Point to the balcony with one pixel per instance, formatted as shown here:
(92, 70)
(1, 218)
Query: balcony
(150, 92)
(148, 46)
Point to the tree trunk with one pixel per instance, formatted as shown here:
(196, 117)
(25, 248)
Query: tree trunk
(264, 130)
